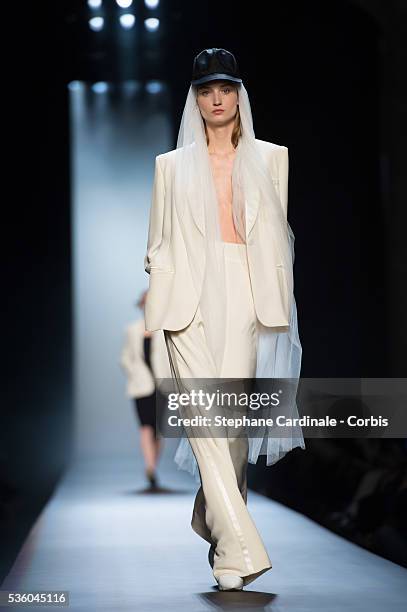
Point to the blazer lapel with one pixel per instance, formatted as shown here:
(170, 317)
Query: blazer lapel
(196, 206)
(252, 208)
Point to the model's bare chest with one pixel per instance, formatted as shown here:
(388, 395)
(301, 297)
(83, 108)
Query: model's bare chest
(222, 169)
(222, 174)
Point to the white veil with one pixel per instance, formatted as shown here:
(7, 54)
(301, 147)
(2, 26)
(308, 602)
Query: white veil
(278, 353)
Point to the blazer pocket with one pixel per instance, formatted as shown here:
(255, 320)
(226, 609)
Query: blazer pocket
(283, 281)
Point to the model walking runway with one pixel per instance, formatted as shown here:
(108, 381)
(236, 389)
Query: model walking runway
(220, 258)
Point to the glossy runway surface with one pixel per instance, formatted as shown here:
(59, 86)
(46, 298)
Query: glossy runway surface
(116, 548)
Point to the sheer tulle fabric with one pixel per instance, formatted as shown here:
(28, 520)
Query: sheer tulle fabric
(278, 353)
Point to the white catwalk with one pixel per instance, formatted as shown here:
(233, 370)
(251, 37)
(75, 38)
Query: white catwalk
(115, 548)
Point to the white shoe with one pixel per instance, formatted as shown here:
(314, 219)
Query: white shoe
(230, 582)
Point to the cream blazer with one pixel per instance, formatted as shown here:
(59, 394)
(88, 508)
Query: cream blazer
(140, 381)
(173, 294)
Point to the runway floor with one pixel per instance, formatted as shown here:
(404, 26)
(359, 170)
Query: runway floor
(116, 548)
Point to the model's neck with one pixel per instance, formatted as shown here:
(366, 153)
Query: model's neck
(220, 140)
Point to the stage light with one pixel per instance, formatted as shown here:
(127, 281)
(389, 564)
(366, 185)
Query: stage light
(124, 3)
(94, 4)
(151, 4)
(96, 23)
(127, 20)
(152, 24)
(100, 87)
(75, 86)
(153, 87)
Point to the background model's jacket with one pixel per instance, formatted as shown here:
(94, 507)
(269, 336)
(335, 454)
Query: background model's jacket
(174, 292)
(140, 381)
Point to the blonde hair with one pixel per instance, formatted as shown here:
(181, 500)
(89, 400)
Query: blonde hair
(237, 129)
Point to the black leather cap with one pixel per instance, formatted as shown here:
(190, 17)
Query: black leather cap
(212, 64)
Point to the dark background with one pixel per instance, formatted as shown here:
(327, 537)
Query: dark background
(325, 79)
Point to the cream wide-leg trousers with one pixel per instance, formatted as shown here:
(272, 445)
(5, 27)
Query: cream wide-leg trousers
(220, 513)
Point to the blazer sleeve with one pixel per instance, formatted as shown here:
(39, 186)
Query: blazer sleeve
(283, 178)
(127, 357)
(156, 221)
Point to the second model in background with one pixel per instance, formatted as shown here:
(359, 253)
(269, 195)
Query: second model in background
(144, 358)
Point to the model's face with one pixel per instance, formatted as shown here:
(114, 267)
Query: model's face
(216, 96)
